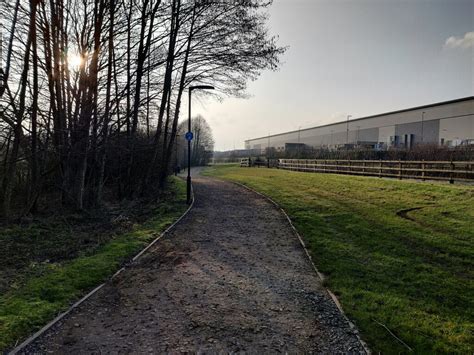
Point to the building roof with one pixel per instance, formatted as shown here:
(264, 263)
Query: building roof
(371, 116)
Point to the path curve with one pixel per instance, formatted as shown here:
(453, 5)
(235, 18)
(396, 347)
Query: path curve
(232, 276)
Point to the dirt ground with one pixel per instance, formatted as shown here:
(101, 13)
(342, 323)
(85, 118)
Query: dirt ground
(231, 277)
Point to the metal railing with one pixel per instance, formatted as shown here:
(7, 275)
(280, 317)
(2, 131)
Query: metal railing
(426, 170)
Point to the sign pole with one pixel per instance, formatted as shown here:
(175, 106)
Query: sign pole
(188, 185)
(189, 138)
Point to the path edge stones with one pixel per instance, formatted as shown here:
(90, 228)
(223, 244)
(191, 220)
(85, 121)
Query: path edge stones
(62, 315)
(303, 245)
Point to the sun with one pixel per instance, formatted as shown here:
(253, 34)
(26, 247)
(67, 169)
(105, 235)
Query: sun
(75, 61)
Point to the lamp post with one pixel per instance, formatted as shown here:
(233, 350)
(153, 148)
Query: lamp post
(347, 133)
(299, 142)
(422, 126)
(268, 151)
(189, 138)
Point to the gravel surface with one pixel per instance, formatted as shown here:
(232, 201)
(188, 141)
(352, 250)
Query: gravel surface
(231, 277)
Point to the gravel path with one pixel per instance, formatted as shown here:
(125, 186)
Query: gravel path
(231, 277)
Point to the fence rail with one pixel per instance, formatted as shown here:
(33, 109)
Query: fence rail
(245, 162)
(426, 170)
(267, 163)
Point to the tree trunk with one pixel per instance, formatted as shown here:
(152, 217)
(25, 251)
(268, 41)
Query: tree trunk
(105, 129)
(168, 150)
(8, 182)
(175, 25)
(34, 186)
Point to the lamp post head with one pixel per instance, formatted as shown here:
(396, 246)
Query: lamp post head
(201, 87)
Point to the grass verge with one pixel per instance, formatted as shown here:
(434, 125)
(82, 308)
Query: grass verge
(44, 289)
(398, 254)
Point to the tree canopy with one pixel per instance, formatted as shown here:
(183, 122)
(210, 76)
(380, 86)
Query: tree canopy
(93, 89)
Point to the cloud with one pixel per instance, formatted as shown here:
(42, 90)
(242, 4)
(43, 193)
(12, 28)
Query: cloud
(463, 42)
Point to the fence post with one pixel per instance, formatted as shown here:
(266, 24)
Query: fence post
(380, 169)
(423, 170)
(451, 175)
(363, 168)
(399, 169)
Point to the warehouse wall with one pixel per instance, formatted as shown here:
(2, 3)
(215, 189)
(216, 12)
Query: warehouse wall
(426, 132)
(456, 129)
(444, 122)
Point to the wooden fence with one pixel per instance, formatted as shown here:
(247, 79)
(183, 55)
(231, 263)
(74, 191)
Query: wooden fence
(267, 163)
(426, 170)
(245, 162)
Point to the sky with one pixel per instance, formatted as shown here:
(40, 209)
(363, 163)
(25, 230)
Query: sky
(351, 57)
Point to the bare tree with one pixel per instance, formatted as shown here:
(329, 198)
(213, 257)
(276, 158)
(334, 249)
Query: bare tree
(93, 91)
(203, 142)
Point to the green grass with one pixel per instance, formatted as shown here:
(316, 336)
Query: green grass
(51, 287)
(414, 276)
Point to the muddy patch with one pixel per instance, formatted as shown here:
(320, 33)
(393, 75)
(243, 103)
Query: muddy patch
(404, 213)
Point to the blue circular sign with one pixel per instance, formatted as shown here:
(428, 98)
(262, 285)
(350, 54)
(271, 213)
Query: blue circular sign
(189, 136)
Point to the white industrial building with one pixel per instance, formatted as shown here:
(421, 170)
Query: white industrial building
(446, 123)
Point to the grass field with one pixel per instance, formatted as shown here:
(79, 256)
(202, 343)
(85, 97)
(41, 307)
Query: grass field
(409, 271)
(46, 266)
